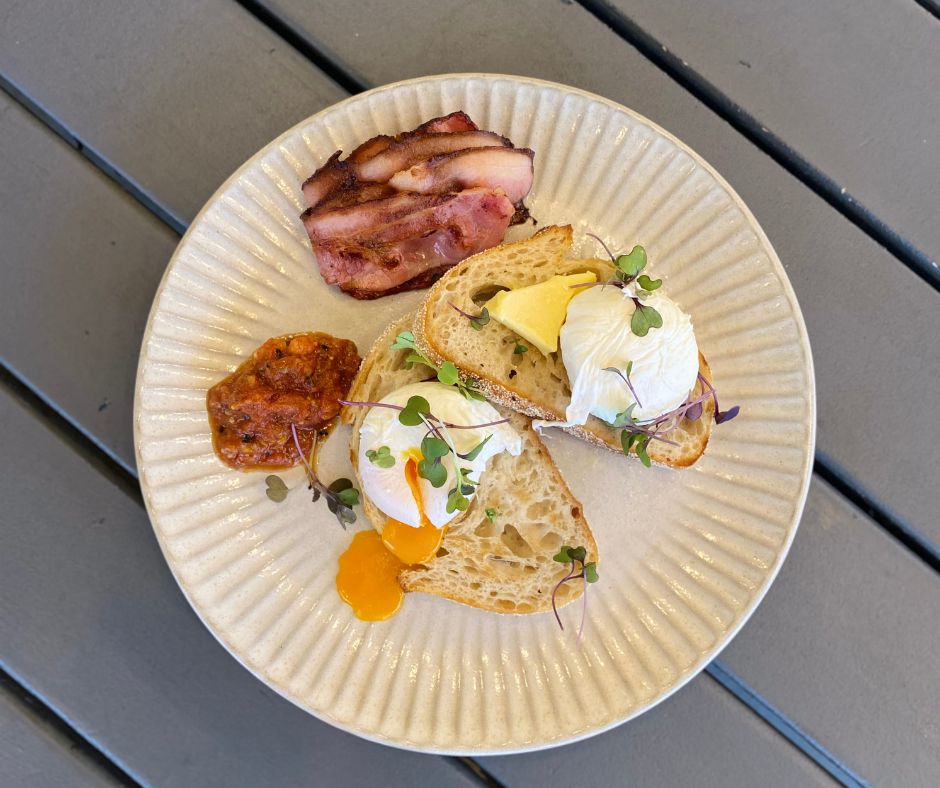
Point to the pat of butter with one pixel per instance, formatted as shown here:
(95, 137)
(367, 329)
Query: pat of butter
(536, 312)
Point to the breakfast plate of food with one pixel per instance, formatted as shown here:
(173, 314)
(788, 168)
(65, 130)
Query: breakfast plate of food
(475, 414)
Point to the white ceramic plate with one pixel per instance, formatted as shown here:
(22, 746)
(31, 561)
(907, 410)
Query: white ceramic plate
(685, 555)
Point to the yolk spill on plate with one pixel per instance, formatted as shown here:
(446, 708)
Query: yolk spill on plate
(368, 578)
(368, 571)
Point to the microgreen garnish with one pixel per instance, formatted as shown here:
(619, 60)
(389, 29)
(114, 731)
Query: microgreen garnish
(519, 349)
(644, 318)
(475, 451)
(447, 373)
(637, 436)
(477, 321)
(638, 442)
(630, 265)
(276, 489)
(340, 496)
(625, 376)
(431, 467)
(580, 569)
(457, 498)
(381, 457)
(490, 513)
(414, 411)
(346, 494)
(628, 268)
(437, 444)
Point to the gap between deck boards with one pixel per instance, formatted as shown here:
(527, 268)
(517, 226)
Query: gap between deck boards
(31, 705)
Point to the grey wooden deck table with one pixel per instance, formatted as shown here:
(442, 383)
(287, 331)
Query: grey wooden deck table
(118, 120)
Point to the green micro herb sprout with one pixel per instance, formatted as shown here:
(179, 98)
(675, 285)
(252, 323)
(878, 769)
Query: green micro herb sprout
(381, 457)
(491, 514)
(580, 569)
(446, 373)
(627, 271)
(276, 489)
(519, 349)
(340, 496)
(476, 321)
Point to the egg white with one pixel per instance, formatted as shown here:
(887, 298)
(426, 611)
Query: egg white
(597, 334)
(388, 488)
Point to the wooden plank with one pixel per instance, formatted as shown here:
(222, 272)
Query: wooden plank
(78, 280)
(870, 393)
(33, 755)
(846, 643)
(109, 640)
(850, 86)
(176, 94)
(91, 615)
(654, 751)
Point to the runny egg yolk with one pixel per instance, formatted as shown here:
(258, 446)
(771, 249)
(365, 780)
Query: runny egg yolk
(368, 570)
(409, 544)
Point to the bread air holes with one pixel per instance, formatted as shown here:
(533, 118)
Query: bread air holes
(515, 542)
(483, 294)
(550, 542)
(486, 529)
(538, 510)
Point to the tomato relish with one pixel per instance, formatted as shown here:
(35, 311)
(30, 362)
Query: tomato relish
(291, 380)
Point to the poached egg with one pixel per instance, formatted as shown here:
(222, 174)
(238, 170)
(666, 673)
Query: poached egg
(597, 335)
(415, 511)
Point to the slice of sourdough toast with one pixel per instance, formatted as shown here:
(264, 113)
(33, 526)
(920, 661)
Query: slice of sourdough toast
(533, 384)
(503, 565)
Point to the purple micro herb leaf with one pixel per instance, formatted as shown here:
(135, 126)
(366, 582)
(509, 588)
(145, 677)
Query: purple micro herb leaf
(721, 416)
(576, 556)
(694, 412)
(625, 377)
(336, 499)
(476, 321)
(601, 242)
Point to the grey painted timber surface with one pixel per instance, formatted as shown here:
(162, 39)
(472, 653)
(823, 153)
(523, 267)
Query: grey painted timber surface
(717, 744)
(846, 644)
(81, 262)
(33, 755)
(109, 641)
(91, 616)
(851, 86)
(175, 94)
